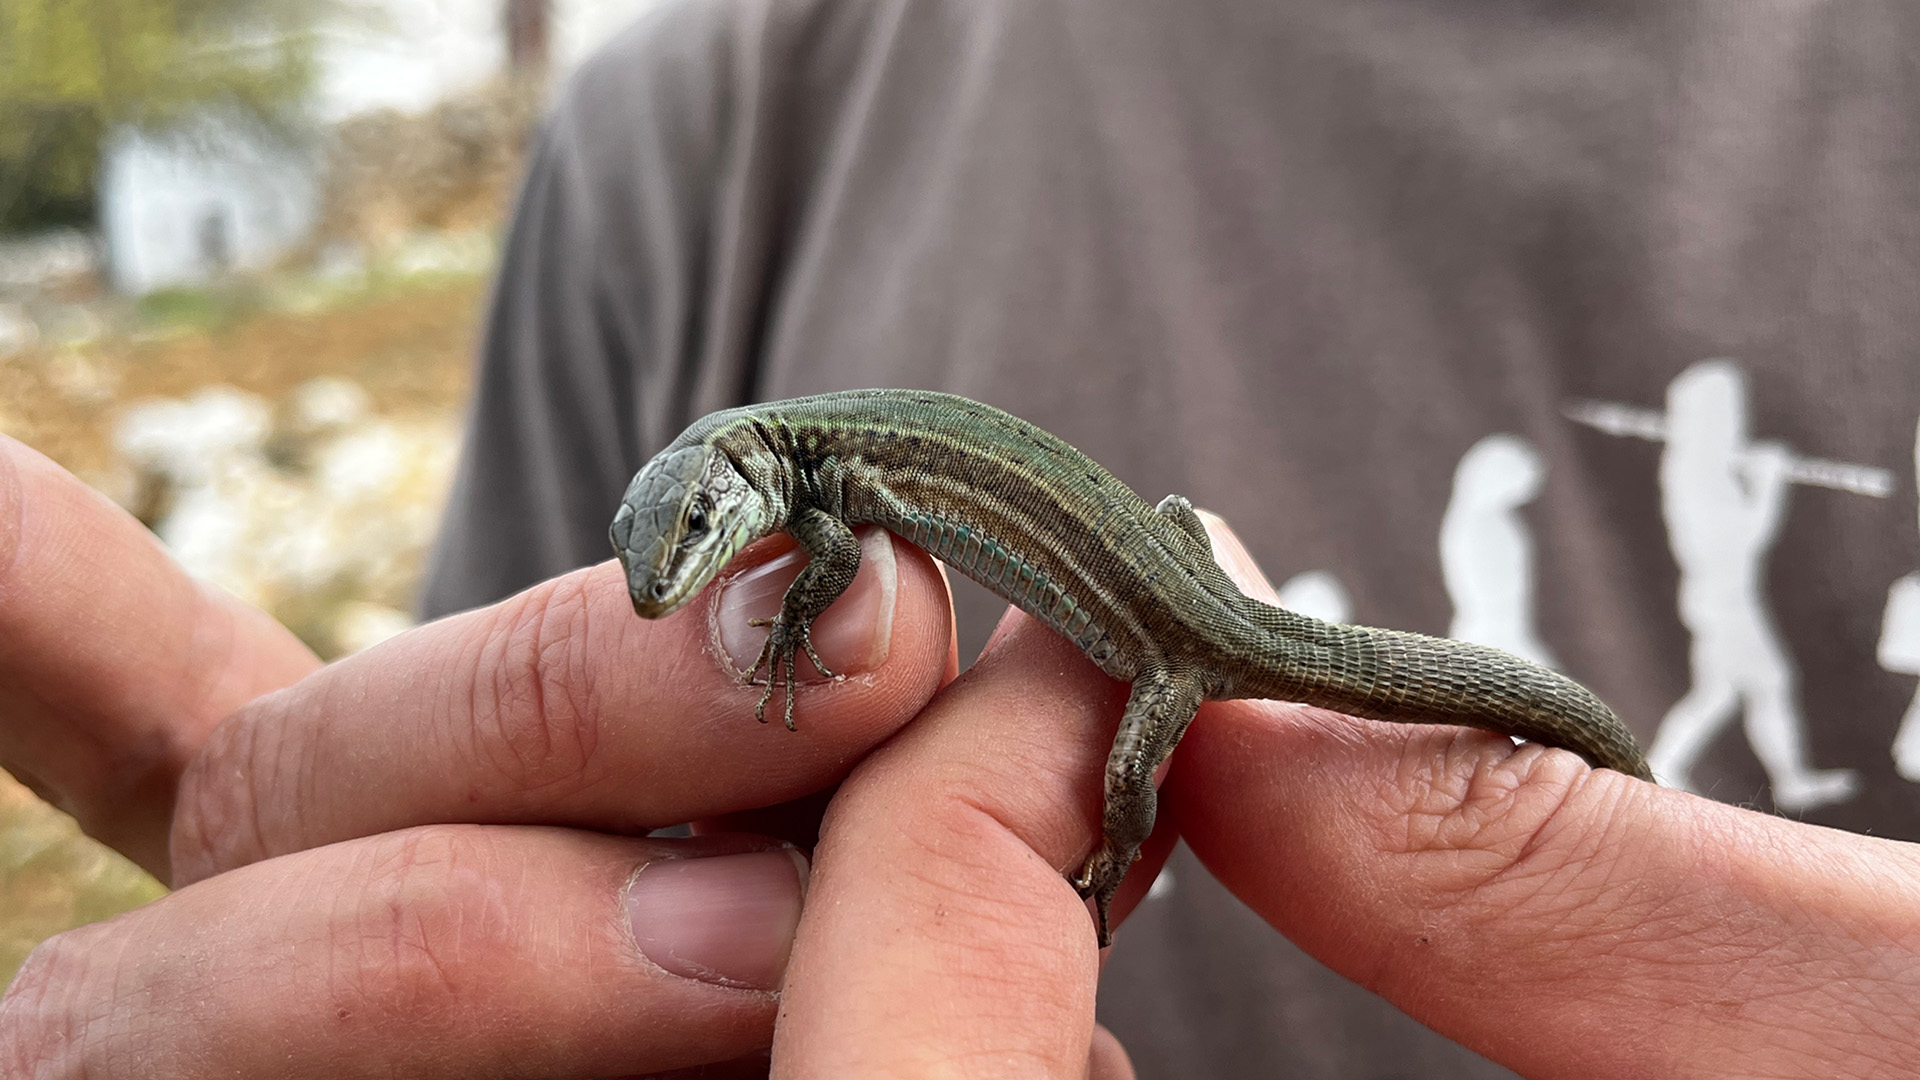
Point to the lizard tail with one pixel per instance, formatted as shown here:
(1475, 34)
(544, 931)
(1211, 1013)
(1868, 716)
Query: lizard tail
(1412, 678)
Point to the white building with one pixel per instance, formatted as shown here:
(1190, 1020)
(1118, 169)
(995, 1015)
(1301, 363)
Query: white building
(183, 210)
(180, 211)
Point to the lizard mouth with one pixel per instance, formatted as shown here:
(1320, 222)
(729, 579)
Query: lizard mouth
(654, 599)
(652, 589)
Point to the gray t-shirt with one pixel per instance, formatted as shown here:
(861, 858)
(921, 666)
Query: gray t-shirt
(1582, 329)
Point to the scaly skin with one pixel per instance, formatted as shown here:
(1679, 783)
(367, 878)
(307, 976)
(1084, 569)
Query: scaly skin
(1041, 524)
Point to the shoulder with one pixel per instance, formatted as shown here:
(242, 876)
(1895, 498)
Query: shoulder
(704, 56)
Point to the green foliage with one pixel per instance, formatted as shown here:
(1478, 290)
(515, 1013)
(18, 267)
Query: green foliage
(73, 70)
(194, 309)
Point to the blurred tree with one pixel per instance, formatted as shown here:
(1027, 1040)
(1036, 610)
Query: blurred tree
(73, 70)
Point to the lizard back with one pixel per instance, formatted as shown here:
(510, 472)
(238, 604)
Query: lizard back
(1044, 526)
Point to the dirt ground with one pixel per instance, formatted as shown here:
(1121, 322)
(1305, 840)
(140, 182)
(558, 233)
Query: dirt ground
(409, 345)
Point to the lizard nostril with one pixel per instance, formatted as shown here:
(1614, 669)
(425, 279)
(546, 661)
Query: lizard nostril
(659, 590)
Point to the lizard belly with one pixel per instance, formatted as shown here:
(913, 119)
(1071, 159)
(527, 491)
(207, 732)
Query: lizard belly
(1002, 570)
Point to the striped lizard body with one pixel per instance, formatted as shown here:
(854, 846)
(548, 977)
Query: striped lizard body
(1023, 513)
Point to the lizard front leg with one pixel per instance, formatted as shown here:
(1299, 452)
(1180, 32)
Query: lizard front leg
(1158, 711)
(833, 560)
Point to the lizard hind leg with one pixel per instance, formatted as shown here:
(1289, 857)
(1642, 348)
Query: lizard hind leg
(1179, 510)
(1161, 706)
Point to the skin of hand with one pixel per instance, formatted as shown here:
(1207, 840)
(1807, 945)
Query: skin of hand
(1564, 921)
(410, 862)
(378, 887)
(114, 665)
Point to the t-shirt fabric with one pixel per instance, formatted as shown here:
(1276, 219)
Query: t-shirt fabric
(1585, 330)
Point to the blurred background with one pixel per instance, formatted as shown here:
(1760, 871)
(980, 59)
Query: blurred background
(244, 246)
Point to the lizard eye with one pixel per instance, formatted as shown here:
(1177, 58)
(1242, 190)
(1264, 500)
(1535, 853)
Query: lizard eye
(696, 521)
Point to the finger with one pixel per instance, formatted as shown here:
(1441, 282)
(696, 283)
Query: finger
(1108, 1060)
(798, 822)
(940, 928)
(1561, 920)
(114, 664)
(560, 706)
(446, 951)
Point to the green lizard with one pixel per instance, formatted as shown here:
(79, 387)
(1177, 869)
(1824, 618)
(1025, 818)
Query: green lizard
(1135, 586)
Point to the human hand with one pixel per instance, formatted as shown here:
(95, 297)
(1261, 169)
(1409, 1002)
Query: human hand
(941, 936)
(114, 664)
(1564, 921)
(370, 880)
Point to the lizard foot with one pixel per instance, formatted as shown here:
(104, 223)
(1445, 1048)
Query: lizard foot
(1099, 878)
(784, 640)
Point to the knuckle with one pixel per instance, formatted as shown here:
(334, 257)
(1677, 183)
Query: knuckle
(534, 713)
(429, 919)
(1491, 823)
(45, 1019)
(216, 821)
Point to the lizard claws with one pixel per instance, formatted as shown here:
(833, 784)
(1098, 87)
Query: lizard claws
(1099, 879)
(784, 640)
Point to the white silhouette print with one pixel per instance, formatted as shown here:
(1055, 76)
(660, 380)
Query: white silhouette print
(1651, 424)
(1724, 499)
(1486, 554)
(1900, 652)
(1318, 594)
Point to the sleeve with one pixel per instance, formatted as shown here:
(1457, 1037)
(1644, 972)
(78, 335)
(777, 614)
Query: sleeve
(579, 367)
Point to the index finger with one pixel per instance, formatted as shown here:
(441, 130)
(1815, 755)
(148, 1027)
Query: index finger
(559, 706)
(939, 926)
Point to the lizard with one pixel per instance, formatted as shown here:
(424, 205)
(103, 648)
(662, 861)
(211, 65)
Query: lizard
(1134, 586)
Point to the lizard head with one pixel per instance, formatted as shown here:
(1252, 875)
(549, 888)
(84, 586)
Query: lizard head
(686, 515)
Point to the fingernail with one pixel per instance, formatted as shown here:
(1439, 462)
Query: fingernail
(851, 636)
(728, 919)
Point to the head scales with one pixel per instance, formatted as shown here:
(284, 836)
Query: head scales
(684, 517)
